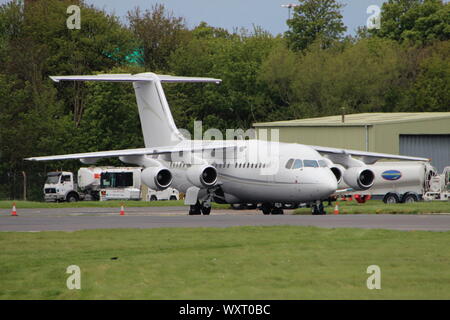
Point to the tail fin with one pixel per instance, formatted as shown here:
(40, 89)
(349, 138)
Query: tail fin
(158, 126)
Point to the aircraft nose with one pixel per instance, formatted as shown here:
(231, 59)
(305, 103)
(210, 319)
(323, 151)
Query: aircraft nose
(328, 182)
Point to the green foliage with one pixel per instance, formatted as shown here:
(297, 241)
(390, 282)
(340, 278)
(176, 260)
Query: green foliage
(418, 21)
(159, 33)
(315, 20)
(236, 59)
(364, 77)
(431, 90)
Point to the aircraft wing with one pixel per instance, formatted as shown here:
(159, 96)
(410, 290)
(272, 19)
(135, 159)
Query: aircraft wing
(189, 147)
(367, 157)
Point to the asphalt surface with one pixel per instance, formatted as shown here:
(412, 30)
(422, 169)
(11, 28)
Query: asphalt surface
(72, 219)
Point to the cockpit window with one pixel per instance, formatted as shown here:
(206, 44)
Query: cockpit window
(298, 164)
(289, 163)
(311, 163)
(323, 164)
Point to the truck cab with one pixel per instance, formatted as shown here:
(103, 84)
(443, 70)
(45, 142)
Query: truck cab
(60, 186)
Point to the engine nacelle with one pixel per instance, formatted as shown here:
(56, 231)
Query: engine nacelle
(157, 178)
(338, 172)
(202, 176)
(359, 178)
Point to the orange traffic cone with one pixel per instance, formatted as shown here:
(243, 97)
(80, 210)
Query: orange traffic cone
(14, 212)
(336, 208)
(122, 212)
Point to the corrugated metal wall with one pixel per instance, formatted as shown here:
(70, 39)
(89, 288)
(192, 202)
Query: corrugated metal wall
(434, 146)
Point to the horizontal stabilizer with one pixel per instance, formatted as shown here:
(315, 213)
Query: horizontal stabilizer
(140, 77)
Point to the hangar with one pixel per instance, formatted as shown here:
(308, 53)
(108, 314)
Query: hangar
(424, 134)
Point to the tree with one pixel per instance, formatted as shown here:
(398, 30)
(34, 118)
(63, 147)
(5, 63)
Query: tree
(418, 21)
(39, 44)
(160, 33)
(235, 58)
(313, 20)
(431, 89)
(368, 76)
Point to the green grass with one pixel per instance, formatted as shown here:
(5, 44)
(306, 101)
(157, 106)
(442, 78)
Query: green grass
(378, 207)
(372, 206)
(230, 263)
(7, 204)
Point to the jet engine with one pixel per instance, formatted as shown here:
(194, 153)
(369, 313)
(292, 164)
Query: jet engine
(338, 172)
(157, 178)
(359, 178)
(202, 176)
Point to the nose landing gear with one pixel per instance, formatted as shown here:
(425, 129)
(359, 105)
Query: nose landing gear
(317, 208)
(200, 208)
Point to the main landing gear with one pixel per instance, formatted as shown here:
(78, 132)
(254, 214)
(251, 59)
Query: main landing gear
(269, 208)
(317, 208)
(200, 208)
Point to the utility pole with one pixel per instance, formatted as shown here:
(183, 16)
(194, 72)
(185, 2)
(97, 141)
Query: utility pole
(24, 186)
(289, 6)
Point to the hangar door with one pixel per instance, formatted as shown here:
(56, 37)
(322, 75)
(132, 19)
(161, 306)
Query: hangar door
(434, 146)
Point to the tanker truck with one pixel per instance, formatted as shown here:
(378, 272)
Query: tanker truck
(395, 182)
(93, 183)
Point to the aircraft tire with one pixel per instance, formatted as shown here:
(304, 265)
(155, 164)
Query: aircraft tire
(266, 208)
(277, 211)
(206, 210)
(195, 210)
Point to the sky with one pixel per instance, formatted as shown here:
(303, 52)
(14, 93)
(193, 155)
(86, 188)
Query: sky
(238, 13)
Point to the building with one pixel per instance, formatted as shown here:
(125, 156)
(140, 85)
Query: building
(424, 134)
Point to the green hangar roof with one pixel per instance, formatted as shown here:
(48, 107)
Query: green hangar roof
(358, 119)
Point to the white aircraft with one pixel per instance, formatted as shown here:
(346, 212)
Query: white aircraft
(228, 171)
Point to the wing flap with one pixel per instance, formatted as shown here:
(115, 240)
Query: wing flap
(367, 157)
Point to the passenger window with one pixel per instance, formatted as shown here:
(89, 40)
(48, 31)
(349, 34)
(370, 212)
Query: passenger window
(289, 163)
(297, 164)
(311, 163)
(323, 164)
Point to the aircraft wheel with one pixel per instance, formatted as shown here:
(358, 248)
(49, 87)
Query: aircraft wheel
(266, 208)
(206, 210)
(195, 210)
(322, 209)
(277, 211)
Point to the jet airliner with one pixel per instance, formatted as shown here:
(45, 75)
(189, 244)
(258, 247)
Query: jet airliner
(270, 173)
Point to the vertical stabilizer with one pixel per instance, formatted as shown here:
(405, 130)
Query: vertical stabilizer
(158, 126)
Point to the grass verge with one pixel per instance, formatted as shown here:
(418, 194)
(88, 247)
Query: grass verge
(379, 207)
(226, 263)
(7, 204)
